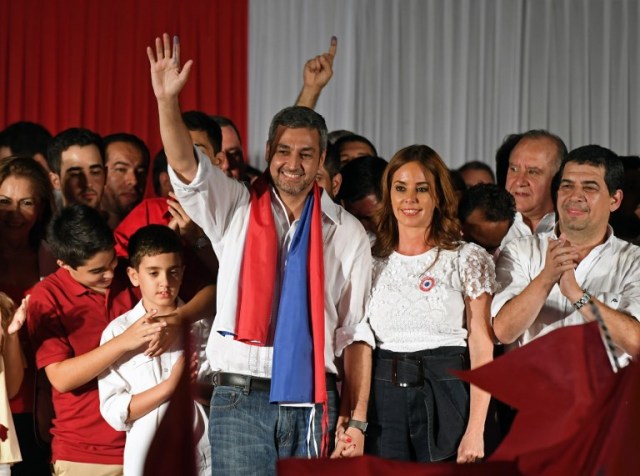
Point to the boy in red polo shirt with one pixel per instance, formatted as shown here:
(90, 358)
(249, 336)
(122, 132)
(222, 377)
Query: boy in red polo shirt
(67, 314)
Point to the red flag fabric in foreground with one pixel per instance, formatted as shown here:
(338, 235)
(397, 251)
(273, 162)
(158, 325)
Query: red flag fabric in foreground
(575, 416)
(172, 450)
(372, 466)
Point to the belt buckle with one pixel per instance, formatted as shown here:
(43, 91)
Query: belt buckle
(394, 375)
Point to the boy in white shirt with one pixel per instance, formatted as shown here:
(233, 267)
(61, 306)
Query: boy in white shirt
(134, 392)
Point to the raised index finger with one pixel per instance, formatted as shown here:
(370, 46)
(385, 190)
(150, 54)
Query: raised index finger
(334, 46)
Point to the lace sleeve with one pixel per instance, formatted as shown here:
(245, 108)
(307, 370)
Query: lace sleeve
(477, 271)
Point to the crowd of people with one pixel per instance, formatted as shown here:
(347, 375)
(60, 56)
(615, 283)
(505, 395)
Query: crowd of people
(328, 297)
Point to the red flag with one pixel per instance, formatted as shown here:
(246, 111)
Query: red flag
(575, 415)
(172, 450)
(372, 466)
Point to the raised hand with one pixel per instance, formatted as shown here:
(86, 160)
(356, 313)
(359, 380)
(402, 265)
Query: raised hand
(19, 317)
(319, 70)
(167, 77)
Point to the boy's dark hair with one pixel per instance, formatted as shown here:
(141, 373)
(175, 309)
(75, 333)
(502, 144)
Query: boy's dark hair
(362, 176)
(496, 203)
(347, 138)
(77, 233)
(26, 138)
(199, 121)
(68, 138)
(128, 139)
(152, 240)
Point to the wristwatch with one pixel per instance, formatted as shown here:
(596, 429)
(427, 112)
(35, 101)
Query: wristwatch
(360, 425)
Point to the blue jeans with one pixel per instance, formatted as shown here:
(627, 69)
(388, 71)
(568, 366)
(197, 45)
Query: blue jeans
(248, 434)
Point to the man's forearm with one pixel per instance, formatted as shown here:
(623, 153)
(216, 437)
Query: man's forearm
(357, 368)
(308, 97)
(518, 314)
(176, 139)
(623, 328)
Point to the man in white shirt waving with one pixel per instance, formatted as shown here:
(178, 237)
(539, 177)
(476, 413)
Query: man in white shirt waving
(293, 282)
(549, 280)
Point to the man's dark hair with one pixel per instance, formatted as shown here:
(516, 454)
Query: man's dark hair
(199, 121)
(224, 121)
(68, 138)
(298, 117)
(597, 156)
(477, 165)
(152, 240)
(362, 176)
(496, 203)
(332, 161)
(26, 139)
(345, 139)
(128, 139)
(159, 166)
(77, 233)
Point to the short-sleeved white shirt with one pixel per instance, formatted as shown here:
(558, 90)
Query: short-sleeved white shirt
(418, 302)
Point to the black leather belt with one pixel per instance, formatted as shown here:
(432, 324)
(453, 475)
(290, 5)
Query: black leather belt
(249, 383)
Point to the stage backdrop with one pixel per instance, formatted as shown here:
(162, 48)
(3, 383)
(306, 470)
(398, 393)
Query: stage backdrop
(68, 63)
(458, 75)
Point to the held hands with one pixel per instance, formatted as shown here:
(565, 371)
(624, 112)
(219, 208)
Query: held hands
(349, 441)
(319, 70)
(167, 77)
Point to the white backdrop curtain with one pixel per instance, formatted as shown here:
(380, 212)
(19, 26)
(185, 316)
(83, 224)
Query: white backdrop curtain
(458, 75)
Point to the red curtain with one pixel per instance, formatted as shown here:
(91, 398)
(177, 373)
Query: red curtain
(83, 63)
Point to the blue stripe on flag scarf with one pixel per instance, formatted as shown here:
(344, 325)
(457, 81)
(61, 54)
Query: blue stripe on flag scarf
(292, 371)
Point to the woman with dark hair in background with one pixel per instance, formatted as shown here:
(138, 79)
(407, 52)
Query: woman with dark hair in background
(429, 310)
(26, 206)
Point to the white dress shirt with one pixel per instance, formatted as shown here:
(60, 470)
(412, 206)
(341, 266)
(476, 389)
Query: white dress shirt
(221, 206)
(610, 273)
(519, 228)
(134, 373)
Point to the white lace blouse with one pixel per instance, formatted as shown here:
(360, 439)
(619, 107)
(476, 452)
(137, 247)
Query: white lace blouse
(418, 302)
